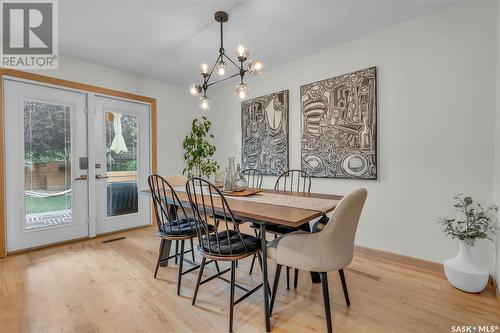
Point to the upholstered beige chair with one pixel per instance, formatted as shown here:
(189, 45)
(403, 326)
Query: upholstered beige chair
(331, 249)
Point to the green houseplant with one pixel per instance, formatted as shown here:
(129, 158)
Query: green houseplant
(198, 151)
(477, 222)
(462, 271)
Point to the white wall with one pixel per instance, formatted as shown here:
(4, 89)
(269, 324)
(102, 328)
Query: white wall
(175, 107)
(435, 124)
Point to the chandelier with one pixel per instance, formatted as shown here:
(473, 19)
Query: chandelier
(220, 68)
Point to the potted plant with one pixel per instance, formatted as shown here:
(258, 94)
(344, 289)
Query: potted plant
(198, 151)
(462, 271)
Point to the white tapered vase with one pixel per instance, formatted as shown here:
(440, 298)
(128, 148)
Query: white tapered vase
(464, 273)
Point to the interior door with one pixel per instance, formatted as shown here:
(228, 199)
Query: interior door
(122, 163)
(45, 171)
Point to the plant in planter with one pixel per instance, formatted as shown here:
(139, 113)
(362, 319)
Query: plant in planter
(477, 223)
(198, 151)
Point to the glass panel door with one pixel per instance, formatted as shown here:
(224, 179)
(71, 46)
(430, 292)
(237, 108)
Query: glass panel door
(45, 135)
(121, 163)
(122, 143)
(47, 164)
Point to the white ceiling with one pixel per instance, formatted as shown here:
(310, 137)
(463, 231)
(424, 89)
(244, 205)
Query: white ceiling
(168, 40)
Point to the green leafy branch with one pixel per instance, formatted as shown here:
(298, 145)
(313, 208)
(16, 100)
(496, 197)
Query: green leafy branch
(478, 222)
(198, 151)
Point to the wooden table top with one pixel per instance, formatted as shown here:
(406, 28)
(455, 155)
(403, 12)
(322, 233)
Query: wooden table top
(267, 213)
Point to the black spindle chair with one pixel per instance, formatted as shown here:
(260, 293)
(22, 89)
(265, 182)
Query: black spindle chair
(296, 181)
(254, 178)
(219, 236)
(173, 224)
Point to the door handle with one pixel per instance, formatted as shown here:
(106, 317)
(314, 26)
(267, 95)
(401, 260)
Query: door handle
(100, 177)
(82, 177)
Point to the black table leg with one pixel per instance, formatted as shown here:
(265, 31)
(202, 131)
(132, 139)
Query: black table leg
(264, 276)
(165, 253)
(315, 277)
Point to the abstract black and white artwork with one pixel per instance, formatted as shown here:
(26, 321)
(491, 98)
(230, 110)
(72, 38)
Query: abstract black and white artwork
(339, 126)
(264, 131)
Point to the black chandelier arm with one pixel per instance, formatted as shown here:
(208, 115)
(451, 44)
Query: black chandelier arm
(207, 78)
(231, 60)
(224, 79)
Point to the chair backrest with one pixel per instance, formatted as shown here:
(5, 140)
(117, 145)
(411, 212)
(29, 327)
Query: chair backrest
(167, 207)
(337, 237)
(254, 178)
(293, 181)
(176, 180)
(218, 230)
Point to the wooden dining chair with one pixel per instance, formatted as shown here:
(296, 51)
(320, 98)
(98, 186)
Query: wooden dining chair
(254, 178)
(219, 236)
(329, 250)
(295, 181)
(179, 181)
(173, 223)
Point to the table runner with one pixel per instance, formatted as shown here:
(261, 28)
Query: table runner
(310, 203)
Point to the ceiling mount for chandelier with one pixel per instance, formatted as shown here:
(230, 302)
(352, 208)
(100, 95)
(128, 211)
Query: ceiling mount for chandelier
(254, 67)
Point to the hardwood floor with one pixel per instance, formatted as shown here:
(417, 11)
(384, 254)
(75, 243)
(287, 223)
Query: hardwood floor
(90, 286)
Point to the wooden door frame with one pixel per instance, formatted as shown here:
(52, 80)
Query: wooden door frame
(67, 84)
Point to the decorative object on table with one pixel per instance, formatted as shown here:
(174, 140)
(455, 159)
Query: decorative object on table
(254, 67)
(219, 179)
(230, 176)
(264, 128)
(198, 150)
(244, 193)
(339, 126)
(462, 271)
(241, 182)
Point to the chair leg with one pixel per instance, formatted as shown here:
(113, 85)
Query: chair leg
(296, 279)
(287, 278)
(275, 288)
(344, 287)
(176, 251)
(192, 249)
(162, 245)
(231, 301)
(200, 273)
(253, 263)
(326, 301)
(257, 234)
(181, 261)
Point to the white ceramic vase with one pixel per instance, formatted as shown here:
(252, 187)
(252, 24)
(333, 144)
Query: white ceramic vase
(464, 273)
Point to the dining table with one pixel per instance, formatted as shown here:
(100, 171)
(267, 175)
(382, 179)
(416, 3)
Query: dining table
(271, 207)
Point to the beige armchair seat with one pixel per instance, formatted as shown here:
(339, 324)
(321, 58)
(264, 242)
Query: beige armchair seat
(331, 249)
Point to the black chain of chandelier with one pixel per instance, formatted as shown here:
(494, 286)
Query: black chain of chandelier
(220, 68)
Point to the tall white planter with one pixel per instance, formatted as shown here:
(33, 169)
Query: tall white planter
(464, 273)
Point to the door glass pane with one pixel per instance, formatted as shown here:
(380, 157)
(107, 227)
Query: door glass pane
(47, 164)
(121, 163)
